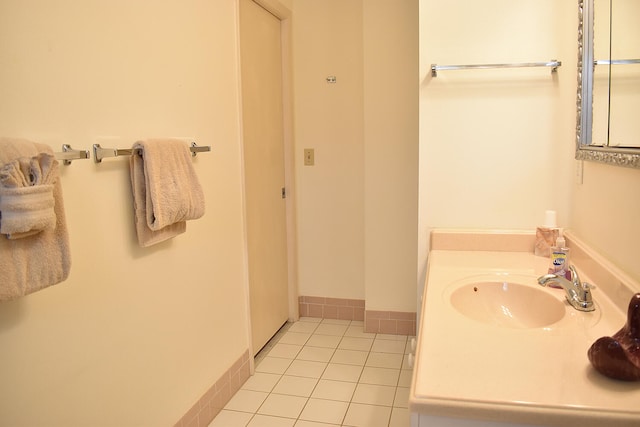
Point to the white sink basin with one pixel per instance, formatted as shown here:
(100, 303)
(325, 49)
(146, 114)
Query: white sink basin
(494, 345)
(507, 304)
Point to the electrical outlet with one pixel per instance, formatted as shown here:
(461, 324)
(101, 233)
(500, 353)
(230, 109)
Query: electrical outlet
(309, 159)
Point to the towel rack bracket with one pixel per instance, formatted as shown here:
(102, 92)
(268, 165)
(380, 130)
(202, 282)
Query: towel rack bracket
(68, 154)
(195, 149)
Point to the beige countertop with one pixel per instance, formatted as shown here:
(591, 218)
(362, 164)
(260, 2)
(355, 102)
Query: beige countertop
(469, 369)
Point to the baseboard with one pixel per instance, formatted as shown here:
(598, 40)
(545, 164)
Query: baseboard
(331, 308)
(381, 322)
(390, 322)
(213, 400)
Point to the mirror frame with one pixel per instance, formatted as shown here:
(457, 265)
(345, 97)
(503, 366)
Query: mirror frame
(627, 157)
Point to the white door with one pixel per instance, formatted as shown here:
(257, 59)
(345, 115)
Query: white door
(262, 114)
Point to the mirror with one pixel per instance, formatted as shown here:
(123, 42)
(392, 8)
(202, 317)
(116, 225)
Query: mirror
(608, 82)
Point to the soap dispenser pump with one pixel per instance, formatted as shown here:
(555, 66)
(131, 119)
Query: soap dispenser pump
(559, 264)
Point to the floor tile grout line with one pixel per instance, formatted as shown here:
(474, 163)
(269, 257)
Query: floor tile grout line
(334, 350)
(284, 372)
(351, 397)
(344, 416)
(308, 399)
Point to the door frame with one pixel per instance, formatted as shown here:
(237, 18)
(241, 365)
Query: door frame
(284, 14)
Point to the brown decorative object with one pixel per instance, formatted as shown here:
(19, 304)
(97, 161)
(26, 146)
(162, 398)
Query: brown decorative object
(619, 356)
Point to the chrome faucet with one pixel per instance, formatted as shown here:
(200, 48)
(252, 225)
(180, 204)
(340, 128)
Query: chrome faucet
(578, 294)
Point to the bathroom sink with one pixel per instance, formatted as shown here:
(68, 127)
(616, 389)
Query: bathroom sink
(507, 304)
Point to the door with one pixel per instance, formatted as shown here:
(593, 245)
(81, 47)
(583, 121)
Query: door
(263, 130)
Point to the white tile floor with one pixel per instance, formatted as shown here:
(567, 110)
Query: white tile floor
(317, 373)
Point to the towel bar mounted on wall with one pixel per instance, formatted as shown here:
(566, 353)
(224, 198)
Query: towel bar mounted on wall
(68, 154)
(554, 64)
(616, 61)
(100, 153)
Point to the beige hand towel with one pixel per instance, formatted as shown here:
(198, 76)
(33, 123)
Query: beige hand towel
(26, 195)
(26, 209)
(166, 190)
(35, 261)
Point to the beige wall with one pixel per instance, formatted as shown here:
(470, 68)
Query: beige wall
(390, 153)
(496, 146)
(134, 336)
(357, 207)
(606, 211)
(328, 41)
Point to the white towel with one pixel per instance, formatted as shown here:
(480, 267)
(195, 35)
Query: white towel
(34, 259)
(166, 190)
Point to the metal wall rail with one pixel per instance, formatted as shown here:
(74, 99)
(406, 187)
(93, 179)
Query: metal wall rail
(100, 153)
(554, 64)
(616, 61)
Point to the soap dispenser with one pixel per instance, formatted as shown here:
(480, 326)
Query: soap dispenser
(559, 263)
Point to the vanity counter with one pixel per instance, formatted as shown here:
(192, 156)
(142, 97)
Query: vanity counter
(468, 369)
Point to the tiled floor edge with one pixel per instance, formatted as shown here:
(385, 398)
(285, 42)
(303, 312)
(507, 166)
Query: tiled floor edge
(390, 322)
(331, 308)
(213, 400)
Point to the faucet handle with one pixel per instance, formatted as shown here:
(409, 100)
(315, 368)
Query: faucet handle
(586, 286)
(575, 278)
(586, 298)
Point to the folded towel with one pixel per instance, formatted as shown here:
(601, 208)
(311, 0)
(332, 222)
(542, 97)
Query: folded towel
(26, 195)
(32, 260)
(29, 171)
(166, 190)
(27, 209)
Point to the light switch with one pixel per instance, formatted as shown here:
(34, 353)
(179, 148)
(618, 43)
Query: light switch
(309, 157)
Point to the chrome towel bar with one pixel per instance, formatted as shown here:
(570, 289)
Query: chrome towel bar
(100, 153)
(554, 64)
(616, 61)
(68, 154)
